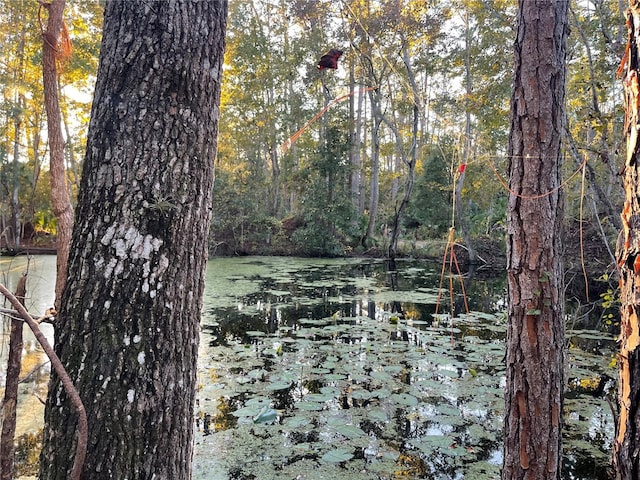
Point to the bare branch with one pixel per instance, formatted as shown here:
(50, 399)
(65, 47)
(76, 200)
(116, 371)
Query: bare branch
(83, 429)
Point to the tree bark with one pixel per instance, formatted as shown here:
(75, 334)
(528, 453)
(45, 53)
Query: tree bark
(354, 141)
(59, 195)
(10, 402)
(535, 333)
(626, 445)
(374, 194)
(128, 324)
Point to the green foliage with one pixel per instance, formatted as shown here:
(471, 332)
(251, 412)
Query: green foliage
(325, 205)
(23, 138)
(272, 88)
(429, 213)
(237, 226)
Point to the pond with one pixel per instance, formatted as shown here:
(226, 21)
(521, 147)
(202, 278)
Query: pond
(316, 369)
(347, 368)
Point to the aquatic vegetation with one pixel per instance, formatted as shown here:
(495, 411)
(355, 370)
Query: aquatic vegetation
(332, 370)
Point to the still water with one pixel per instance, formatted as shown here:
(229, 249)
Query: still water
(347, 368)
(350, 369)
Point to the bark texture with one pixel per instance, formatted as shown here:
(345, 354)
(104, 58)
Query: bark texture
(59, 195)
(127, 329)
(626, 446)
(535, 334)
(10, 402)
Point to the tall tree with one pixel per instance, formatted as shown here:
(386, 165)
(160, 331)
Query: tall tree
(127, 329)
(466, 149)
(535, 333)
(374, 183)
(54, 48)
(13, 74)
(627, 440)
(409, 158)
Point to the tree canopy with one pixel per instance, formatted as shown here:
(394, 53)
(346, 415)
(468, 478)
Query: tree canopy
(287, 183)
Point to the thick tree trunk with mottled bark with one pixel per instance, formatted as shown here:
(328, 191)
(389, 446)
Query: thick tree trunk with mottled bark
(626, 446)
(127, 330)
(535, 334)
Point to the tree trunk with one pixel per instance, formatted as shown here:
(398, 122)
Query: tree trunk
(10, 401)
(59, 195)
(355, 115)
(16, 227)
(18, 113)
(409, 159)
(626, 444)
(535, 333)
(35, 138)
(127, 329)
(73, 179)
(461, 212)
(375, 170)
(358, 183)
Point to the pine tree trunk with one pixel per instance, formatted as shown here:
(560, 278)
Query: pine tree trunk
(18, 126)
(408, 159)
(535, 333)
(461, 212)
(127, 329)
(626, 445)
(374, 195)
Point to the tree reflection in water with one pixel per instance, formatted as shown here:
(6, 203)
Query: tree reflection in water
(364, 381)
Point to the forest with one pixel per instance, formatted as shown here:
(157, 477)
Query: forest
(419, 92)
(379, 129)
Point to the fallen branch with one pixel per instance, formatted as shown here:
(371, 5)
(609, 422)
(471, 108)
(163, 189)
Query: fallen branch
(83, 429)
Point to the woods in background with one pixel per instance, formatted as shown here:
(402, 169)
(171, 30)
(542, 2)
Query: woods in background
(340, 186)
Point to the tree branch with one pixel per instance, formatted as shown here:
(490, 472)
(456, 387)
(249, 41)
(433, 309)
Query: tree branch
(83, 429)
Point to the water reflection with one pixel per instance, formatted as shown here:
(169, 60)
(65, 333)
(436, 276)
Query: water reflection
(41, 275)
(317, 353)
(322, 369)
(35, 366)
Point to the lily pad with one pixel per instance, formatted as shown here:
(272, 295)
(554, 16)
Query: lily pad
(278, 385)
(378, 414)
(349, 431)
(404, 399)
(310, 406)
(297, 422)
(338, 455)
(266, 415)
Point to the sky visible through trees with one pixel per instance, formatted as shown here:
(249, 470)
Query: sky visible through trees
(363, 159)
